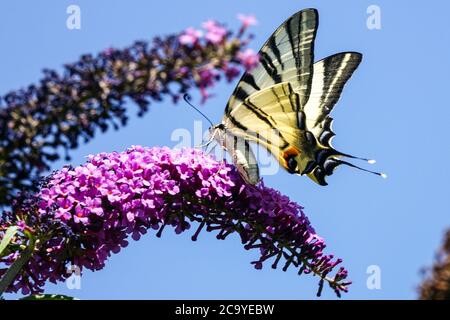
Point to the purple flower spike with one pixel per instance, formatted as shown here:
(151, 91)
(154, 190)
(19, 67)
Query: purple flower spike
(88, 212)
(90, 95)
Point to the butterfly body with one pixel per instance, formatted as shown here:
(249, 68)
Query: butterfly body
(284, 104)
(240, 151)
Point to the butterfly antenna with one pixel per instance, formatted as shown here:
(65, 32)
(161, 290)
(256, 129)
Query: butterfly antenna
(383, 175)
(186, 98)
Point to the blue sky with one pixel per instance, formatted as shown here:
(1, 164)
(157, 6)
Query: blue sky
(391, 110)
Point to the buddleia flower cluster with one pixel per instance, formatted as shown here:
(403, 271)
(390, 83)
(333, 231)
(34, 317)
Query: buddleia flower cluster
(81, 215)
(90, 95)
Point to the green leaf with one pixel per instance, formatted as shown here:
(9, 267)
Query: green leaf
(17, 266)
(9, 234)
(48, 297)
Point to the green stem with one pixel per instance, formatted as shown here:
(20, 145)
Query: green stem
(15, 268)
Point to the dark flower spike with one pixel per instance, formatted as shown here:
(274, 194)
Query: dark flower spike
(436, 282)
(90, 94)
(81, 215)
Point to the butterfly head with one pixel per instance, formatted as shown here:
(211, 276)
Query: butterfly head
(216, 130)
(217, 127)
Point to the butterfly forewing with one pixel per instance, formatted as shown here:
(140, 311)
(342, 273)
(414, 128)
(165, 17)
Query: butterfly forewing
(287, 56)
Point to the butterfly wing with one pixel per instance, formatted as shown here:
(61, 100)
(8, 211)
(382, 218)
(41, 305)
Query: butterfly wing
(287, 56)
(284, 103)
(273, 118)
(241, 154)
(329, 77)
(299, 137)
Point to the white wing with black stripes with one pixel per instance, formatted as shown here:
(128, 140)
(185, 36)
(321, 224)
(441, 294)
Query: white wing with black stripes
(287, 56)
(242, 156)
(329, 78)
(285, 102)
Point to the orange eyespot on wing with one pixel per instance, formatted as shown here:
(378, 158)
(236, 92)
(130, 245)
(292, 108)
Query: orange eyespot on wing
(290, 151)
(289, 156)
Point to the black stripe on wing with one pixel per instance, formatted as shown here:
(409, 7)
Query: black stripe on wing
(267, 119)
(246, 131)
(250, 80)
(301, 30)
(269, 67)
(274, 48)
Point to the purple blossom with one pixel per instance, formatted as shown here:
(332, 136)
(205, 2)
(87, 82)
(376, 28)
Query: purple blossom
(247, 20)
(248, 58)
(190, 36)
(231, 72)
(215, 33)
(207, 78)
(82, 215)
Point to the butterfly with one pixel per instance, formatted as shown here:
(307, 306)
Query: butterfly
(284, 105)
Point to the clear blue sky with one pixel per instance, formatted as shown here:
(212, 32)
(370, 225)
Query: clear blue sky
(393, 110)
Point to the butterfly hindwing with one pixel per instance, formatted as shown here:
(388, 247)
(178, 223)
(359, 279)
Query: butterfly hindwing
(329, 77)
(243, 157)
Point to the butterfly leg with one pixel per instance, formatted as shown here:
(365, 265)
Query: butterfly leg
(207, 143)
